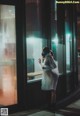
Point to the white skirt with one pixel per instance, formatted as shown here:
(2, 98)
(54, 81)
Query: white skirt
(49, 81)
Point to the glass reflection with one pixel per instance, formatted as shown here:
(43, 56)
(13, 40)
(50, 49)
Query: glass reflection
(68, 39)
(34, 50)
(8, 91)
(34, 40)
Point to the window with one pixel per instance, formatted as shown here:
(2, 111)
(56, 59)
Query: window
(34, 41)
(68, 39)
(8, 89)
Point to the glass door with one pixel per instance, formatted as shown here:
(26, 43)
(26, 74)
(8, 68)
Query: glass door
(8, 80)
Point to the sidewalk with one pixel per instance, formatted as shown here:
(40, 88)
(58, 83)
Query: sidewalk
(72, 109)
(65, 110)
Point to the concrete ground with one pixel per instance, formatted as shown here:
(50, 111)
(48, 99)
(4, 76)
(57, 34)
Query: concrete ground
(70, 110)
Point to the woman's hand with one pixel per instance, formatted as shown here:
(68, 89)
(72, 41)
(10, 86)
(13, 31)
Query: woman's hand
(39, 60)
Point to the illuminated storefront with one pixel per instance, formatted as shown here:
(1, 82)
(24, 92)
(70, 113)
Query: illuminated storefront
(55, 27)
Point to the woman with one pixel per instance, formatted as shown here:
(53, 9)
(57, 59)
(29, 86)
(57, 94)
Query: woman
(50, 78)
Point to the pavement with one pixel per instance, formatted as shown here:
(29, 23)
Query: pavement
(70, 110)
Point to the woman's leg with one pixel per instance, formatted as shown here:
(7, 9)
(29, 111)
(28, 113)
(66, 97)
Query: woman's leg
(53, 96)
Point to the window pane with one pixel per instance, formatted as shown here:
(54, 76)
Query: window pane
(34, 40)
(34, 49)
(68, 40)
(68, 47)
(8, 90)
